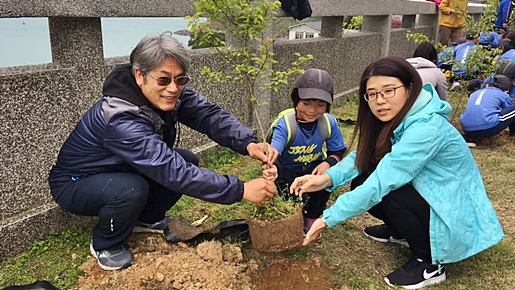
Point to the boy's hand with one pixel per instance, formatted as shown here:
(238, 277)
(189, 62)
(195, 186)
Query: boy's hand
(321, 168)
(257, 151)
(269, 173)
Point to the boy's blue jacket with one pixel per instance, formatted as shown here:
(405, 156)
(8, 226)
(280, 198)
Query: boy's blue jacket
(461, 53)
(428, 152)
(507, 56)
(306, 149)
(491, 38)
(483, 109)
(503, 13)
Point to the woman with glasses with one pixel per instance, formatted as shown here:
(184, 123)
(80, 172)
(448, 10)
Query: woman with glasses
(412, 170)
(121, 163)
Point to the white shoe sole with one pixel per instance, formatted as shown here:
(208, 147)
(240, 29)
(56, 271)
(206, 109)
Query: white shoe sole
(107, 268)
(430, 281)
(146, 230)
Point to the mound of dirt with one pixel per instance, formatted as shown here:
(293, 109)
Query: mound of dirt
(210, 265)
(160, 265)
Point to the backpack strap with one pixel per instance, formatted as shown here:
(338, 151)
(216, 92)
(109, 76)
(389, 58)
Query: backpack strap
(291, 124)
(325, 126)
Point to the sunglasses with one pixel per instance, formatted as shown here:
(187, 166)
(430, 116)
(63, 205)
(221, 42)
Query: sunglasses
(165, 81)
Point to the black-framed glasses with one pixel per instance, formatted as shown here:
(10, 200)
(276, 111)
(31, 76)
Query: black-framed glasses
(385, 93)
(165, 81)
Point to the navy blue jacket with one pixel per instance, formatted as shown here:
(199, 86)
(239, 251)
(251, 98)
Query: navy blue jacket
(122, 132)
(503, 13)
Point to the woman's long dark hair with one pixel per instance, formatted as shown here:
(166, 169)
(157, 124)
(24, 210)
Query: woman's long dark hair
(373, 135)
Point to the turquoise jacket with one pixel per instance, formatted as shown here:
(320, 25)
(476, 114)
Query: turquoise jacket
(428, 152)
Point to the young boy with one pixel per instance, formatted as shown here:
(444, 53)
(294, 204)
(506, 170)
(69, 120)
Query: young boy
(489, 111)
(312, 97)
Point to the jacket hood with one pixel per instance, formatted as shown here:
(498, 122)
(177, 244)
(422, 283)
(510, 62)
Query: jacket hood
(428, 103)
(120, 83)
(420, 62)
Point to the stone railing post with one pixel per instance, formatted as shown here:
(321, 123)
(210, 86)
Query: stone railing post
(408, 21)
(381, 24)
(430, 20)
(77, 42)
(332, 27)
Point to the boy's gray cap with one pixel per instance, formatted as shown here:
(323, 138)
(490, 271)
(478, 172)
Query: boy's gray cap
(507, 69)
(505, 42)
(502, 82)
(315, 84)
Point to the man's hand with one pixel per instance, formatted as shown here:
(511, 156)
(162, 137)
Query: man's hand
(314, 232)
(269, 172)
(259, 191)
(310, 183)
(257, 151)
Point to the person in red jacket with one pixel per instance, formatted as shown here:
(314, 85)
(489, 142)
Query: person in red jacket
(436, 1)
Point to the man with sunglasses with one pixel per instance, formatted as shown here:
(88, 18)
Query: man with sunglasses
(120, 164)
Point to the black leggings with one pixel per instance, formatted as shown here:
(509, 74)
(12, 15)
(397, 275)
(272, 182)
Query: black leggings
(119, 199)
(406, 213)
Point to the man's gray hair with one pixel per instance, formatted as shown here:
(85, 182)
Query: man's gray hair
(153, 50)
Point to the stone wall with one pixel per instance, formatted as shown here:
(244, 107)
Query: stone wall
(40, 104)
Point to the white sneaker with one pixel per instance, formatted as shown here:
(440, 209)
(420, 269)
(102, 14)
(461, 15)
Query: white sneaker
(455, 85)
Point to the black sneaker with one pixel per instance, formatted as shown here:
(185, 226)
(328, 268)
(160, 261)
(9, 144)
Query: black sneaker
(382, 234)
(112, 259)
(416, 274)
(157, 227)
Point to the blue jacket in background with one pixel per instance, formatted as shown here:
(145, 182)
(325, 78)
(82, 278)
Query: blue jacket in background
(484, 108)
(461, 53)
(508, 56)
(503, 13)
(489, 38)
(430, 153)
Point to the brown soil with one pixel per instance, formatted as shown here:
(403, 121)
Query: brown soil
(209, 265)
(277, 236)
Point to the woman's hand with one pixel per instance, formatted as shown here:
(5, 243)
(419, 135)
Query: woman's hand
(314, 232)
(310, 183)
(269, 173)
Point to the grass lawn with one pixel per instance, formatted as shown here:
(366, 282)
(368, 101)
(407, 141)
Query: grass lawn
(355, 262)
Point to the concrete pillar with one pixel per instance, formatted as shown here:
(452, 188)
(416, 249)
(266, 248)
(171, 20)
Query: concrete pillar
(432, 21)
(76, 41)
(408, 21)
(332, 27)
(381, 24)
